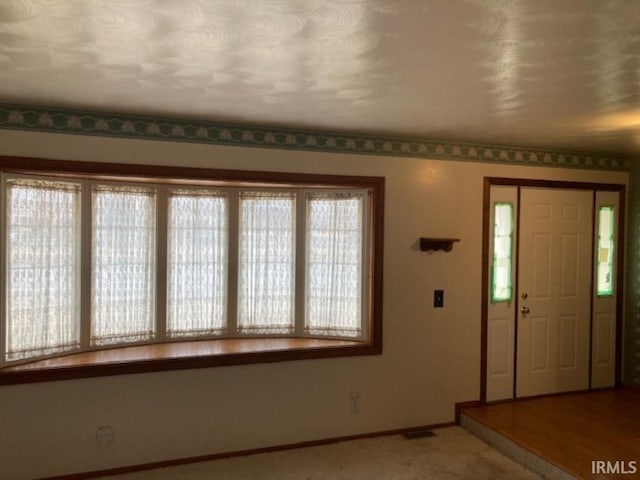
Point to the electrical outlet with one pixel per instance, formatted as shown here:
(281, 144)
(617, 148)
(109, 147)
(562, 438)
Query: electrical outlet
(104, 436)
(354, 403)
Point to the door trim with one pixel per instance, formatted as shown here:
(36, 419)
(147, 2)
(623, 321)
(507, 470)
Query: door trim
(488, 182)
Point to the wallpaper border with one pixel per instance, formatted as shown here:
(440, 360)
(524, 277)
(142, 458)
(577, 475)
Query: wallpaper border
(58, 120)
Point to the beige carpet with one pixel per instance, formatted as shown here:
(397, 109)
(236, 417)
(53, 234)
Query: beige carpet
(452, 453)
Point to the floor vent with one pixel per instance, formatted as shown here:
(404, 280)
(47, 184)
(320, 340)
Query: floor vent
(419, 434)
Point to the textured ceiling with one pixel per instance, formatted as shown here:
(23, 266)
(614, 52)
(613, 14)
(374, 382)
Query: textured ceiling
(560, 74)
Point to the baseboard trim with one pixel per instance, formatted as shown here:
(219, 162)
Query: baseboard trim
(239, 453)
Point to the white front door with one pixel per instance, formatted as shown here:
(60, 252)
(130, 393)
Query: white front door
(554, 292)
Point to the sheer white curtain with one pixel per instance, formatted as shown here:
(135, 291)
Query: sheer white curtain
(197, 262)
(43, 314)
(266, 262)
(334, 264)
(606, 222)
(502, 247)
(123, 264)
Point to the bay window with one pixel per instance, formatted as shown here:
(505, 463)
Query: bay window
(94, 262)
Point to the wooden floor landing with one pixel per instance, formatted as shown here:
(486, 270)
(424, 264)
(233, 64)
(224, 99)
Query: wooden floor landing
(571, 430)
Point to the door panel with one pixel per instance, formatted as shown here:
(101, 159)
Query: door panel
(603, 341)
(541, 266)
(500, 360)
(568, 340)
(539, 342)
(569, 268)
(554, 266)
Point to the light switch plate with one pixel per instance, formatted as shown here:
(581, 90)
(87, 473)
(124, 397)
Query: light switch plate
(438, 298)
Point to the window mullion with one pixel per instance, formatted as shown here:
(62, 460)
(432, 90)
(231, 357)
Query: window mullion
(3, 270)
(233, 237)
(366, 273)
(300, 263)
(85, 265)
(162, 212)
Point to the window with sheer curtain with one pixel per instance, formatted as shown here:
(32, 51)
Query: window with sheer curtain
(123, 234)
(92, 265)
(267, 261)
(334, 264)
(42, 265)
(197, 262)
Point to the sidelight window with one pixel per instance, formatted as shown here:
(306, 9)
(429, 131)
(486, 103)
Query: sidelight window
(501, 286)
(606, 221)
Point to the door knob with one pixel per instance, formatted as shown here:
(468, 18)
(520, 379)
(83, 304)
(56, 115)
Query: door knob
(524, 310)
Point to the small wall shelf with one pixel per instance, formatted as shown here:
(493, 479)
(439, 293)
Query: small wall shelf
(436, 244)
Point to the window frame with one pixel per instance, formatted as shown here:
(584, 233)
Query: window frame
(149, 357)
(494, 265)
(163, 333)
(87, 240)
(610, 292)
(365, 301)
(4, 280)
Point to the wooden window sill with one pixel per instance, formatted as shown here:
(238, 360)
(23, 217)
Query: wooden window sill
(181, 355)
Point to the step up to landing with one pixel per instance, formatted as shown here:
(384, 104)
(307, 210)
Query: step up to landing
(512, 450)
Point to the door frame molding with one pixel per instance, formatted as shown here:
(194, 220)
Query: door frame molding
(486, 230)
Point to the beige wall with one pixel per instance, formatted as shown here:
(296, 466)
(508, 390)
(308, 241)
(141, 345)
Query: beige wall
(430, 360)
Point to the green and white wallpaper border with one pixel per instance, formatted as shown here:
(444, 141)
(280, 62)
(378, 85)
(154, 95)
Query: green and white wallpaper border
(32, 118)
